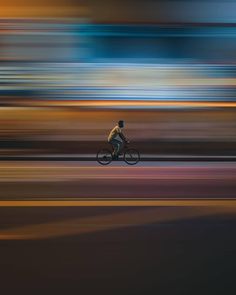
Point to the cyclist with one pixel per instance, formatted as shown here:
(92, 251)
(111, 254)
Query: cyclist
(117, 139)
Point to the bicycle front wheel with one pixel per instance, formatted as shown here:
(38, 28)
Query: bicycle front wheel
(104, 157)
(131, 156)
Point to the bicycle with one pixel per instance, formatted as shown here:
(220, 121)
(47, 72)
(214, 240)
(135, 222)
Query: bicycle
(130, 156)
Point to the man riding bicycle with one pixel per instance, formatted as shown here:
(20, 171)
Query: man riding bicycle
(117, 139)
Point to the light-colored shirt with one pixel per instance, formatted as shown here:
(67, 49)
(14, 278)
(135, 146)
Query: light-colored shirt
(114, 134)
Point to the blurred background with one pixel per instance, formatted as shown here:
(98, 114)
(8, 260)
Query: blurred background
(69, 70)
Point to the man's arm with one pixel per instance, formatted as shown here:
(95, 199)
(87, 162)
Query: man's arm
(123, 137)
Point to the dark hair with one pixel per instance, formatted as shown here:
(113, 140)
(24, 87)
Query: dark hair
(121, 123)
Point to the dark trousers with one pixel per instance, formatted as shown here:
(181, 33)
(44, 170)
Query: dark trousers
(117, 145)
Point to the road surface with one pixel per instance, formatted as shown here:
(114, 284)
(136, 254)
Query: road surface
(79, 228)
(34, 180)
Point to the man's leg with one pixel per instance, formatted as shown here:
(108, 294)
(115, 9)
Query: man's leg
(117, 147)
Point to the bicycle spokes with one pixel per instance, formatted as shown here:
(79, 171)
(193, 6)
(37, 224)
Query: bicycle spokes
(104, 157)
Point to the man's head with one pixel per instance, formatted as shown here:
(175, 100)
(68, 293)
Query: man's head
(121, 124)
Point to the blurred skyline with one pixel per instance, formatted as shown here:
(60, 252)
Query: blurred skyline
(70, 70)
(126, 11)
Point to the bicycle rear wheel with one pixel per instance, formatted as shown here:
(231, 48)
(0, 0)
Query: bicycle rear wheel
(131, 156)
(104, 157)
